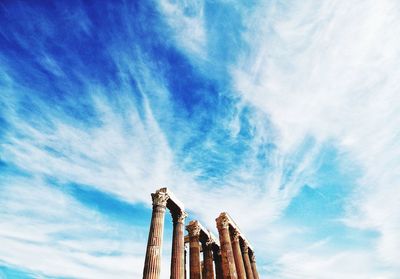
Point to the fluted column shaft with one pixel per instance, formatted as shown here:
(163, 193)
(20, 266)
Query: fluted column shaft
(254, 267)
(237, 254)
(246, 259)
(178, 246)
(208, 260)
(152, 264)
(228, 261)
(194, 247)
(217, 261)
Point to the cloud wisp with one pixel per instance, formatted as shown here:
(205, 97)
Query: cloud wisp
(262, 110)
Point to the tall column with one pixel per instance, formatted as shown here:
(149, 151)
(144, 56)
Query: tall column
(152, 263)
(254, 266)
(228, 261)
(237, 254)
(194, 245)
(217, 261)
(208, 259)
(178, 245)
(246, 259)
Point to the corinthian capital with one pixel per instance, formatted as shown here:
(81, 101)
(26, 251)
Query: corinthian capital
(179, 217)
(222, 221)
(160, 198)
(245, 247)
(235, 235)
(210, 241)
(253, 258)
(193, 228)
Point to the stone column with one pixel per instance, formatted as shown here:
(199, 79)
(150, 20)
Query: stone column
(217, 261)
(254, 266)
(228, 261)
(246, 259)
(194, 241)
(178, 245)
(237, 254)
(208, 259)
(152, 263)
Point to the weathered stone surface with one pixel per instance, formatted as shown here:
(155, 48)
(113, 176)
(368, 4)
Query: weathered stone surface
(237, 254)
(208, 258)
(228, 261)
(178, 245)
(254, 266)
(233, 257)
(246, 259)
(218, 262)
(194, 247)
(152, 264)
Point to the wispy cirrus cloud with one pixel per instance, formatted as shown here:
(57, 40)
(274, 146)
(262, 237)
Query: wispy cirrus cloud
(229, 105)
(329, 71)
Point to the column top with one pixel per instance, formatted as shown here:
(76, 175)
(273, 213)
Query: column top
(179, 216)
(205, 234)
(234, 226)
(160, 198)
(173, 203)
(193, 228)
(252, 258)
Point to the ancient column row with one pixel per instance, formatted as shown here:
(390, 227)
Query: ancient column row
(201, 240)
(232, 258)
(237, 262)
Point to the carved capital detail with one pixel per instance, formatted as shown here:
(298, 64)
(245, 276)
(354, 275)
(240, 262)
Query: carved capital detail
(160, 198)
(235, 235)
(222, 222)
(210, 242)
(253, 258)
(194, 229)
(179, 217)
(245, 247)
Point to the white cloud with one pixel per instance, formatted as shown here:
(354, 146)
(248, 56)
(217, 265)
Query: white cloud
(326, 70)
(186, 20)
(346, 264)
(47, 232)
(329, 70)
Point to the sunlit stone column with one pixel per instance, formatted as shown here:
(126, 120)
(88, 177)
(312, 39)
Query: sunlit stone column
(194, 247)
(178, 245)
(228, 261)
(217, 262)
(246, 259)
(237, 254)
(254, 266)
(152, 264)
(208, 259)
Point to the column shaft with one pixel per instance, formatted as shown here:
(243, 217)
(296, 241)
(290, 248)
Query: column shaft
(218, 264)
(194, 248)
(246, 259)
(178, 246)
(208, 261)
(237, 253)
(228, 261)
(254, 267)
(152, 264)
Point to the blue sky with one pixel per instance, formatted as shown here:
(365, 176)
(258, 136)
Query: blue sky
(285, 114)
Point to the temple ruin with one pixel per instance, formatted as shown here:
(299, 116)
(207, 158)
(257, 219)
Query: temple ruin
(229, 257)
